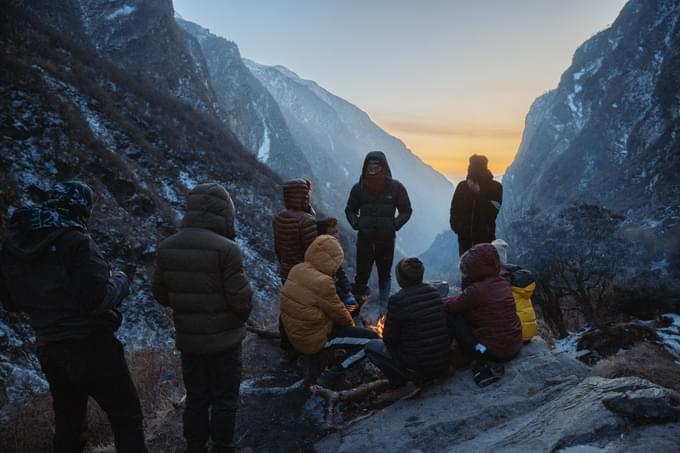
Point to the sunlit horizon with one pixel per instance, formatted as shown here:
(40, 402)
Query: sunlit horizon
(448, 78)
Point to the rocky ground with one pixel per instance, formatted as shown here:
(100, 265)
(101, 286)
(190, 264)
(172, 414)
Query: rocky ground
(545, 402)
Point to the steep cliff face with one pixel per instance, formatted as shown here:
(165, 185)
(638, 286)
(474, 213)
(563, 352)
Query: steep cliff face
(142, 38)
(68, 113)
(246, 106)
(335, 136)
(609, 134)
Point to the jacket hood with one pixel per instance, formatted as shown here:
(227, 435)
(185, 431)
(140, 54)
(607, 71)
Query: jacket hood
(325, 254)
(478, 169)
(480, 262)
(209, 206)
(23, 239)
(296, 195)
(376, 155)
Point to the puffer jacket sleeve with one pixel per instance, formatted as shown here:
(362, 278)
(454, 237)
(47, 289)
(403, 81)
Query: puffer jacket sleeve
(96, 288)
(333, 307)
(392, 328)
(308, 231)
(342, 285)
(237, 291)
(463, 302)
(454, 212)
(490, 200)
(403, 206)
(353, 205)
(158, 288)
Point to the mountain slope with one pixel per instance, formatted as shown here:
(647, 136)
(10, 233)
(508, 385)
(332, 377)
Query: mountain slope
(70, 114)
(335, 136)
(609, 134)
(246, 106)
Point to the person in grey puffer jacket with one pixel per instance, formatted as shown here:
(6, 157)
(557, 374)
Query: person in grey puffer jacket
(199, 274)
(52, 270)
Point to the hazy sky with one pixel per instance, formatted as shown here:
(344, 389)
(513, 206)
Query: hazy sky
(450, 78)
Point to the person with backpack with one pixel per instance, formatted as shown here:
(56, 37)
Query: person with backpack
(199, 275)
(372, 209)
(415, 344)
(475, 205)
(51, 268)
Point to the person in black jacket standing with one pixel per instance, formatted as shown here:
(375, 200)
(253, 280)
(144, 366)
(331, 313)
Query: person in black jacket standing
(371, 208)
(416, 343)
(51, 269)
(475, 205)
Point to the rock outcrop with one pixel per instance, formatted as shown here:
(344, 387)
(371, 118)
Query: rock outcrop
(545, 402)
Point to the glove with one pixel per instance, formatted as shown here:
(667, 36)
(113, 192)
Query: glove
(350, 300)
(117, 289)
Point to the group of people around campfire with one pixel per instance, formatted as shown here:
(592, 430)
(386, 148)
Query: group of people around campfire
(489, 320)
(52, 269)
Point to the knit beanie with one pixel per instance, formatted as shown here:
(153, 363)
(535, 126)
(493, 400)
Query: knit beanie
(410, 272)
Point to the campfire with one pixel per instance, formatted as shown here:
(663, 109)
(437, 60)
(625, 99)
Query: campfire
(379, 326)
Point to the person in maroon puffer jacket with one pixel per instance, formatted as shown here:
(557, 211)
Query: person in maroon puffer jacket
(483, 318)
(295, 226)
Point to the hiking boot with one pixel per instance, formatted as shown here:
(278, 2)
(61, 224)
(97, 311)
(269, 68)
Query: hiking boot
(486, 373)
(331, 378)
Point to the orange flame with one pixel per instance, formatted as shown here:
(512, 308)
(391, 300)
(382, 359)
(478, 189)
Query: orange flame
(379, 326)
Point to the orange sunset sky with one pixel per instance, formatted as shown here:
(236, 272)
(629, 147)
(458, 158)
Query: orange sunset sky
(450, 78)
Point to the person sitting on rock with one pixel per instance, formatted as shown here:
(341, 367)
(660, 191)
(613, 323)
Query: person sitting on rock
(523, 286)
(51, 268)
(416, 344)
(313, 316)
(343, 287)
(483, 319)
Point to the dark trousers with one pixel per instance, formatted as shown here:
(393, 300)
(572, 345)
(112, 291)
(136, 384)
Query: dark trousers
(378, 248)
(352, 340)
(212, 384)
(461, 331)
(96, 367)
(380, 356)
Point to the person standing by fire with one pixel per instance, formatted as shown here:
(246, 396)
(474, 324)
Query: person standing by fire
(371, 208)
(475, 205)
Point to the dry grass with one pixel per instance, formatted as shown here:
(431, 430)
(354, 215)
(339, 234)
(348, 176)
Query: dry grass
(156, 373)
(646, 360)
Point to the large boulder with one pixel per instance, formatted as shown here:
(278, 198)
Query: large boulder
(545, 402)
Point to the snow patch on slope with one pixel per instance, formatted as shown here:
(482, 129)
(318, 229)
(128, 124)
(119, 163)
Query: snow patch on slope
(123, 11)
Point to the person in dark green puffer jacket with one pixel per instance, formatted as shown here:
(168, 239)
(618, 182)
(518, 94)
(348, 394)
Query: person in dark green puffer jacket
(199, 274)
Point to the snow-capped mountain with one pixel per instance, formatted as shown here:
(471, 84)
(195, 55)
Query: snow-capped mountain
(335, 136)
(609, 134)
